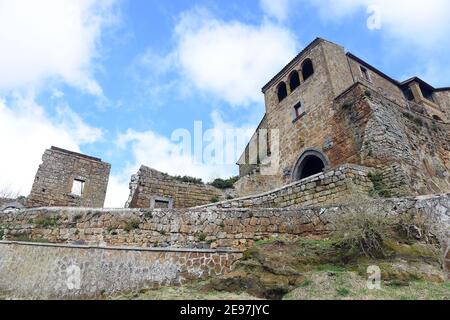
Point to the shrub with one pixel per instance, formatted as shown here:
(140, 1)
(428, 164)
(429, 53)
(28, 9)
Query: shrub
(379, 187)
(132, 225)
(347, 105)
(2, 234)
(368, 94)
(215, 199)
(202, 237)
(361, 232)
(45, 222)
(188, 179)
(148, 215)
(225, 184)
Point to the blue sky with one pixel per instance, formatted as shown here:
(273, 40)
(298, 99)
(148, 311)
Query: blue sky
(116, 78)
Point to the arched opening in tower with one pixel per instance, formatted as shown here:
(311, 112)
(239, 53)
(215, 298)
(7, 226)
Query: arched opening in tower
(310, 166)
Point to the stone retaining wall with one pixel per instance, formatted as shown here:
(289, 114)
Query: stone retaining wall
(237, 228)
(42, 271)
(335, 186)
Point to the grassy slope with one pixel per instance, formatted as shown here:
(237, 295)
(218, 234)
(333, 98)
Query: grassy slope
(313, 269)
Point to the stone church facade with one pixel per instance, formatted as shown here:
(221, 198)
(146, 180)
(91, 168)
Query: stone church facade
(328, 107)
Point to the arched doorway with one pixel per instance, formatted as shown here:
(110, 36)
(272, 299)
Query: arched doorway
(310, 163)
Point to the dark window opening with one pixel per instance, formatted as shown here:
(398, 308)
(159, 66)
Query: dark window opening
(427, 93)
(365, 73)
(294, 80)
(310, 166)
(408, 94)
(282, 91)
(162, 204)
(307, 69)
(299, 111)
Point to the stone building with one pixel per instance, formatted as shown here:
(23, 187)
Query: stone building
(69, 179)
(150, 188)
(328, 107)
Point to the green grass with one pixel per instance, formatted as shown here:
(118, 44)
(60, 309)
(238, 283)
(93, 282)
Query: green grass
(350, 285)
(343, 292)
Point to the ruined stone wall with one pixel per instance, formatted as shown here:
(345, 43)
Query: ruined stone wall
(223, 228)
(253, 184)
(43, 271)
(57, 173)
(335, 186)
(150, 186)
(443, 100)
(378, 83)
(256, 151)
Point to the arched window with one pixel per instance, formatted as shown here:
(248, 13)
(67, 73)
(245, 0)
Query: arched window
(294, 80)
(307, 69)
(310, 163)
(282, 91)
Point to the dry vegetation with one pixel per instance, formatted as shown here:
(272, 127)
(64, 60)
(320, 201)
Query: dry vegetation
(404, 248)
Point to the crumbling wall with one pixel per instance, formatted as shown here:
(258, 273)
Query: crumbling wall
(56, 175)
(150, 188)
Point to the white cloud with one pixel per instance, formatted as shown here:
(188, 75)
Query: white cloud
(278, 9)
(51, 38)
(118, 190)
(420, 22)
(163, 154)
(228, 59)
(26, 131)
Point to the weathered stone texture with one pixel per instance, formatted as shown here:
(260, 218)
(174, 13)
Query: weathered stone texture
(218, 228)
(386, 135)
(331, 187)
(150, 184)
(40, 271)
(57, 173)
(349, 118)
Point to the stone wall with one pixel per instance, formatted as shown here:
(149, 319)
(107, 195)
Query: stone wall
(152, 189)
(237, 228)
(386, 134)
(443, 99)
(53, 184)
(44, 271)
(331, 187)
